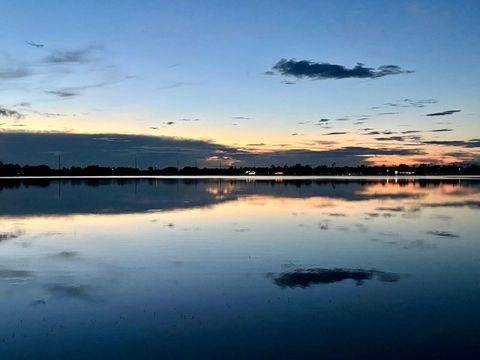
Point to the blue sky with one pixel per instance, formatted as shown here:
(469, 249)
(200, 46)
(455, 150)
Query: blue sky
(142, 67)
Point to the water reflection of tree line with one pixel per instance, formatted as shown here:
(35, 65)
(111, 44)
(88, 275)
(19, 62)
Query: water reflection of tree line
(102, 195)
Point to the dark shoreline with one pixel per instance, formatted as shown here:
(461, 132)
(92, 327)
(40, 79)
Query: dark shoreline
(15, 170)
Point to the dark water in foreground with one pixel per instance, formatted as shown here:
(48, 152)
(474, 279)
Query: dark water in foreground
(370, 269)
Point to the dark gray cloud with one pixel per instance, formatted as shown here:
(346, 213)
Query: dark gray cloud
(178, 84)
(307, 277)
(241, 118)
(79, 56)
(443, 113)
(61, 93)
(190, 119)
(14, 73)
(441, 130)
(388, 113)
(460, 154)
(9, 113)
(104, 149)
(391, 138)
(34, 44)
(352, 155)
(162, 151)
(336, 133)
(319, 71)
(77, 90)
(409, 103)
(473, 143)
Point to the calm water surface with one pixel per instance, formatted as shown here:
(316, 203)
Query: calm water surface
(223, 268)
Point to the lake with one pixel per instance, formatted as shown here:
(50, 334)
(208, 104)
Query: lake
(240, 268)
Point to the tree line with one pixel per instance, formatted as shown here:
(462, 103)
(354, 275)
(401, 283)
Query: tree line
(7, 170)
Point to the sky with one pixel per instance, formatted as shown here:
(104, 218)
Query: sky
(351, 82)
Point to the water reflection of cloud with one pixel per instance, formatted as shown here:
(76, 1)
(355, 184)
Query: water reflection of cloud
(112, 196)
(38, 302)
(77, 292)
(65, 255)
(10, 235)
(11, 274)
(440, 233)
(307, 277)
(391, 208)
(406, 244)
(473, 204)
(323, 226)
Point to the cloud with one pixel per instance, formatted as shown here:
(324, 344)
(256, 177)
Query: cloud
(392, 138)
(257, 144)
(443, 113)
(473, 143)
(15, 73)
(9, 113)
(241, 118)
(62, 93)
(307, 277)
(162, 151)
(189, 119)
(441, 130)
(336, 133)
(410, 103)
(178, 84)
(76, 90)
(34, 44)
(319, 71)
(79, 56)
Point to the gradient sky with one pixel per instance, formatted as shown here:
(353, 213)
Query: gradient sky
(211, 71)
